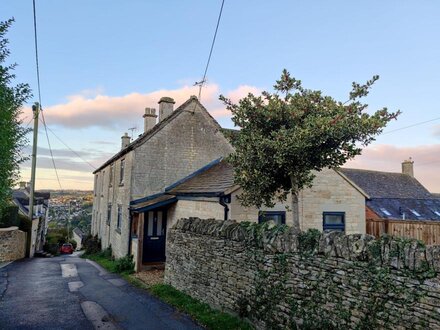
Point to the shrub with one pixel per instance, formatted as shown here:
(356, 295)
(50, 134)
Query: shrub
(9, 217)
(125, 265)
(107, 253)
(92, 244)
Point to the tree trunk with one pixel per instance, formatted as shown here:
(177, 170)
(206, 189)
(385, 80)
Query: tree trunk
(295, 206)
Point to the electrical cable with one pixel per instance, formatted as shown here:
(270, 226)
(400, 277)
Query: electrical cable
(36, 52)
(413, 125)
(210, 52)
(50, 150)
(73, 151)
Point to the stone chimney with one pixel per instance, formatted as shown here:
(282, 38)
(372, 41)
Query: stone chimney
(23, 184)
(407, 167)
(166, 105)
(125, 141)
(149, 119)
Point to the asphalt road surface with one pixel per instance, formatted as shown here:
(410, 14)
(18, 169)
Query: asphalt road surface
(72, 293)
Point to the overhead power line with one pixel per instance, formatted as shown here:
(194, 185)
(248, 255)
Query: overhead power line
(36, 52)
(73, 151)
(50, 150)
(200, 83)
(413, 125)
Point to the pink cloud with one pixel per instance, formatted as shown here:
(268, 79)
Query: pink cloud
(383, 157)
(93, 108)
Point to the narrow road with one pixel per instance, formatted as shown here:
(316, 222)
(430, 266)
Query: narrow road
(72, 293)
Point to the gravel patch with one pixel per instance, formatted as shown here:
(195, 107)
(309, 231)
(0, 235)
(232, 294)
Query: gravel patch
(150, 277)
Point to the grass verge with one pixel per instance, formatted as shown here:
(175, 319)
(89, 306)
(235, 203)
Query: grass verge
(201, 312)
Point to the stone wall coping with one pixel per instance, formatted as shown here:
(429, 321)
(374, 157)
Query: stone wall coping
(12, 228)
(395, 252)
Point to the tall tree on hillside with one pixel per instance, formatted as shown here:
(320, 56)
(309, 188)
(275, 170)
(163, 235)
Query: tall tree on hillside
(12, 134)
(287, 135)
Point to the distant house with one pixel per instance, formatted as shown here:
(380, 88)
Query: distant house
(78, 237)
(396, 196)
(20, 197)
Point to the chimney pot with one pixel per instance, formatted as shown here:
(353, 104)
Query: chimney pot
(408, 167)
(149, 119)
(125, 141)
(166, 105)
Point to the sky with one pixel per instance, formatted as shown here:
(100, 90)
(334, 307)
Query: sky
(103, 62)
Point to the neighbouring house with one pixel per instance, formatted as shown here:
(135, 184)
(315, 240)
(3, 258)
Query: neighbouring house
(396, 196)
(398, 205)
(78, 237)
(20, 197)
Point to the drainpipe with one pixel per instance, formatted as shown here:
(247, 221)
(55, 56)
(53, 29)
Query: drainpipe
(223, 201)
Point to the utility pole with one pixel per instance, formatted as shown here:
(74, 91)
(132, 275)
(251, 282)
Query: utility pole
(36, 113)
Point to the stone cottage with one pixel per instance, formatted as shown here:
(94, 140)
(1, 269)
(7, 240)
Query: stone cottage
(175, 170)
(182, 141)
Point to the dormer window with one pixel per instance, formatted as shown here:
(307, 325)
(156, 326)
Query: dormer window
(385, 211)
(417, 214)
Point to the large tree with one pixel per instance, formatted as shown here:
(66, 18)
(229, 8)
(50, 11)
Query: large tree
(287, 135)
(12, 134)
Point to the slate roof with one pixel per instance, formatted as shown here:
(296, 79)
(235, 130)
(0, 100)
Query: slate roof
(78, 232)
(211, 181)
(386, 185)
(147, 135)
(399, 208)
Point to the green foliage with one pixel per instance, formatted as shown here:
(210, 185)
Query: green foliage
(125, 265)
(203, 313)
(92, 244)
(308, 242)
(9, 217)
(12, 134)
(284, 138)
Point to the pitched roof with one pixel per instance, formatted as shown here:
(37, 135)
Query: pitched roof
(211, 180)
(147, 135)
(386, 185)
(408, 208)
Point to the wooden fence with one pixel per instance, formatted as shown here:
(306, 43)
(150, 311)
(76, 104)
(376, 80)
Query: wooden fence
(425, 231)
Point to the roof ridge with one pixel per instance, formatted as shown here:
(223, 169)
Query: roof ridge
(149, 133)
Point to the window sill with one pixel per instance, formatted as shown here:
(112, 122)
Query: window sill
(118, 231)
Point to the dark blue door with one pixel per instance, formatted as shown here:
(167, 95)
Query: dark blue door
(154, 236)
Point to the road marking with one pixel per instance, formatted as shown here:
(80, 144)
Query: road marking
(69, 270)
(97, 315)
(75, 286)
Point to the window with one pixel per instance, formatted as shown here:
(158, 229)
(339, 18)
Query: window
(279, 217)
(96, 184)
(102, 184)
(333, 221)
(385, 211)
(118, 223)
(417, 214)
(110, 180)
(121, 173)
(109, 213)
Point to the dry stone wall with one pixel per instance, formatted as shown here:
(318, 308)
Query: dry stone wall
(12, 244)
(277, 278)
